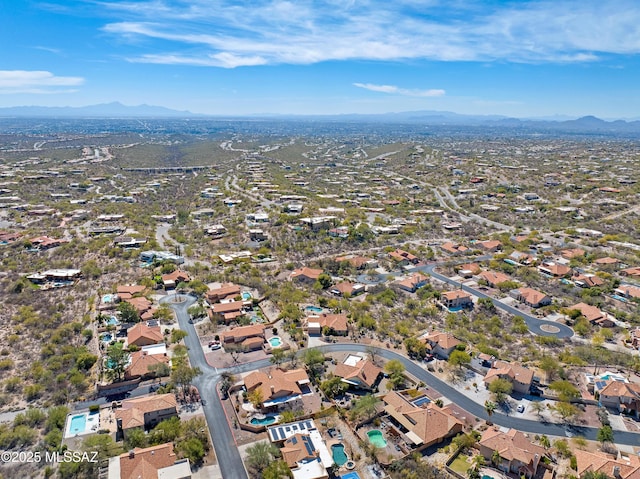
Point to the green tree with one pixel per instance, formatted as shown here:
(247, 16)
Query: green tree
(178, 335)
(365, 407)
(459, 358)
(193, 449)
(313, 359)
(277, 356)
(605, 434)
(135, 438)
(182, 375)
(566, 410)
(277, 470)
(395, 370)
(416, 349)
(260, 455)
(500, 388)
(334, 386)
(324, 280)
(117, 360)
(128, 313)
(490, 407)
(565, 390)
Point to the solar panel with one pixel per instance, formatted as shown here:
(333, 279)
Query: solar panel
(309, 445)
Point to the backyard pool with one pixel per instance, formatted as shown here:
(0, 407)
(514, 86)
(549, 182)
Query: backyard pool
(246, 295)
(112, 321)
(421, 400)
(78, 423)
(339, 456)
(275, 342)
(314, 309)
(263, 421)
(107, 338)
(620, 298)
(107, 298)
(350, 475)
(455, 309)
(82, 423)
(376, 438)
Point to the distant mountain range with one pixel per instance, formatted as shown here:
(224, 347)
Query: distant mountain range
(118, 110)
(103, 110)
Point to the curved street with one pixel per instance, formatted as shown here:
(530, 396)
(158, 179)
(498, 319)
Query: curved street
(229, 460)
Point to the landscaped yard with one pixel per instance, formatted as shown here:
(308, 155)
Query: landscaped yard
(460, 465)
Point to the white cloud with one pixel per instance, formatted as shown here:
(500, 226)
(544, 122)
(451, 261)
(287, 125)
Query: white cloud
(232, 33)
(39, 82)
(392, 89)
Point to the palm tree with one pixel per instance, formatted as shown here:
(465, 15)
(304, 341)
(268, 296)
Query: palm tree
(490, 407)
(495, 458)
(544, 441)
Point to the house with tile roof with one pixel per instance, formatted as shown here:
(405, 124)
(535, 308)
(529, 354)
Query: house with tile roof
(454, 249)
(456, 299)
(494, 278)
(517, 453)
(520, 377)
(587, 280)
(248, 338)
(364, 374)
(333, 324)
(469, 269)
(412, 283)
(530, 297)
(593, 315)
(557, 270)
(176, 277)
(347, 288)
(403, 258)
(303, 458)
(225, 291)
(156, 462)
(441, 344)
(142, 364)
(278, 386)
(228, 311)
(305, 275)
(572, 253)
(607, 260)
(145, 412)
(490, 246)
(628, 291)
(621, 467)
(621, 396)
(127, 292)
(142, 334)
(421, 426)
(358, 262)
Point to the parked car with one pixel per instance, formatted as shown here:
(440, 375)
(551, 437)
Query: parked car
(520, 407)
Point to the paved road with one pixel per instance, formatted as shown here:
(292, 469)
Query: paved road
(229, 459)
(534, 324)
(231, 465)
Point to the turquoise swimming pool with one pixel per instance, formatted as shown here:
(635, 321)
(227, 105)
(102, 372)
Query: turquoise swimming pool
(275, 341)
(314, 309)
(265, 421)
(376, 438)
(339, 456)
(246, 295)
(78, 423)
(106, 337)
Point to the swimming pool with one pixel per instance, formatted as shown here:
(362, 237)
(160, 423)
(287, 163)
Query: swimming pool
(420, 401)
(106, 337)
(350, 475)
(619, 298)
(112, 321)
(456, 309)
(314, 309)
(246, 295)
(376, 438)
(265, 421)
(78, 423)
(339, 456)
(107, 298)
(82, 423)
(275, 341)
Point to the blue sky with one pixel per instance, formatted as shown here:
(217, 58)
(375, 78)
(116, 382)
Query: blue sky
(518, 58)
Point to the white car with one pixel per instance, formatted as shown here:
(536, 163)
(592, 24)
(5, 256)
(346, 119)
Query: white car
(520, 408)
